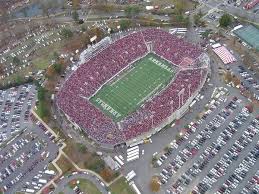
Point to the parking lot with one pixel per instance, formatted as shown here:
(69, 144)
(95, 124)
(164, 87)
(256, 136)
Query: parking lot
(26, 146)
(215, 153)
(22, 54)
(15, 105)
(25, 159)
(248, 78)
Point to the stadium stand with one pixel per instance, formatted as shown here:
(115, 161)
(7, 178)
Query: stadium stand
(73, 98)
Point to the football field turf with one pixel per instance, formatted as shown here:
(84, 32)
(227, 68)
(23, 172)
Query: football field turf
(132, 87)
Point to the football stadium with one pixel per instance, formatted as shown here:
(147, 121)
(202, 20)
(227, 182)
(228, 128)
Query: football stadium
(130, 88)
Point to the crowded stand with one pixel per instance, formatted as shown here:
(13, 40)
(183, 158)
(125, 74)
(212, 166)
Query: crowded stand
(73, 98)
(157, 110)
(172, 48)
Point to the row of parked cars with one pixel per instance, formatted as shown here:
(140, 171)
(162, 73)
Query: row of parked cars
(193, 147)
(240, 172)
(231, 156)
(17, 145)
(192, 127)
(252, 186)
(15, 105)
(38, 180)
(17, 163)
(218, 98)
(249, 81)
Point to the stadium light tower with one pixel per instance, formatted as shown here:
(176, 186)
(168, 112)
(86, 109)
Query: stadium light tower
(201, 76)
(180, 94)
(172, 105)
(189, 88)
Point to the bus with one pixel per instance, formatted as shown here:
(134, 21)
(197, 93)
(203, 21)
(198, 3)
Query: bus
(130, 175)
(134, 151)
(118, 160)
(129, 159)
(133, 154)
(133, 148)
(135, 188)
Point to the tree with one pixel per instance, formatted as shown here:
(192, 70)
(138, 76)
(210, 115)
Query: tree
(167, 148)
(66, 33)
(225, 20)
(98, 166)
(55, 56)
(50, 72)
(125, 24)
(236, 81)
(132, 11)
(18, 79)
(57, 67)
(106, 174)
(228, 77)
(154, 184)
(42, 110)
(75, 15)
(41, 93)
(206, 34)
(81, 148)
(16, 61)
(1, 69)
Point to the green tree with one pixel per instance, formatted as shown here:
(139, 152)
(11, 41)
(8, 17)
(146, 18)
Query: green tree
(41, 93)
(81, 148)
(42, 109)
(98, 166)
(206, 33)
(57, 67)
(66, 33)
(18, 79)
(83, 28)
(16, 61)
(75, 15)
(225, 20)
(132, 10)
(125, 24)
(55, 56)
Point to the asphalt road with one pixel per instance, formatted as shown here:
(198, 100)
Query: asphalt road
(62, 185)
(230, 8)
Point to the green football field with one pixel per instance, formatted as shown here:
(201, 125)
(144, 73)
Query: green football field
(129, 90)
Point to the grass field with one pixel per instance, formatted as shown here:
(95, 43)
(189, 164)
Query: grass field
(121, 187)
(131, 88)
(88, 187)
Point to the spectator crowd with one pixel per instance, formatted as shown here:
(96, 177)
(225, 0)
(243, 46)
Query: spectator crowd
(73, 98)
